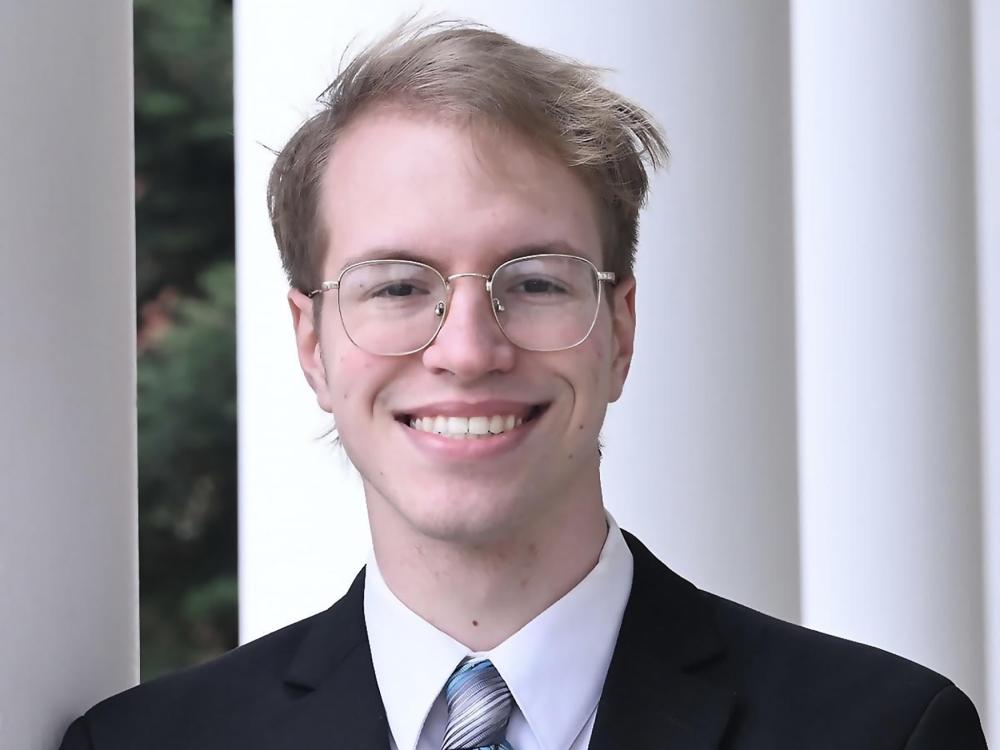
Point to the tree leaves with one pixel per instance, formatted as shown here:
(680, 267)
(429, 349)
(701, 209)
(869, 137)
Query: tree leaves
(186, 331)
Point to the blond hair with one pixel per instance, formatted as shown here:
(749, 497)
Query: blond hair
(469, 72)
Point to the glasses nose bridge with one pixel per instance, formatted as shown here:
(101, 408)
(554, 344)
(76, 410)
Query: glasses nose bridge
(442, 310)
(487, 282)
(485, 277)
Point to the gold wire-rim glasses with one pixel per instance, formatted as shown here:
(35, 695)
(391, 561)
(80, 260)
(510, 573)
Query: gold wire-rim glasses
(442, 306)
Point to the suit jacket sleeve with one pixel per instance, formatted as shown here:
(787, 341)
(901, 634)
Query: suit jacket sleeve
(77, 737)
(950, 722)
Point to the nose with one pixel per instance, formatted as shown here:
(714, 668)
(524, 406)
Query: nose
(470, 344)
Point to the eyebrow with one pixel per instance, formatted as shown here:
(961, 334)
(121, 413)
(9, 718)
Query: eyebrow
(554, 247)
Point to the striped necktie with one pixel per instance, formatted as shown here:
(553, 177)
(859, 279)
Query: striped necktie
(479, 706)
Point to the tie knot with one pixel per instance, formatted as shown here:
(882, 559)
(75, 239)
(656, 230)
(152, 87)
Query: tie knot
(479, 706)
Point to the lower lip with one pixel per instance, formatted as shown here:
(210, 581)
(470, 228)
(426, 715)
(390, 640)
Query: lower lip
(470, 449)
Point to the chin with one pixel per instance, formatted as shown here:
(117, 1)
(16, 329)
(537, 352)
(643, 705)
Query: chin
(463, 517)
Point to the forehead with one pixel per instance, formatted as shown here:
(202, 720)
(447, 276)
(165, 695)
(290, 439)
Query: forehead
(456, 196)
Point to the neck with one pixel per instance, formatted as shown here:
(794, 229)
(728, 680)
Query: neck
(481, 593)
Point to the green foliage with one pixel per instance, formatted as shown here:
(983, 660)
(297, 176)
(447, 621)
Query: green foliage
(184, 142)
(187, 480)
(187, 361)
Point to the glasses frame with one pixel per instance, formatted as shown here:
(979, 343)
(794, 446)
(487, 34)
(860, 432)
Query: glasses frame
(602, 277)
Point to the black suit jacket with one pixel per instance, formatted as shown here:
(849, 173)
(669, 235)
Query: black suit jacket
(690, 671)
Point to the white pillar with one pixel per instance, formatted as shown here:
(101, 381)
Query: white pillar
(986, 26)
(700, 458)
(701, 450)
(888, 375)
(68, 555)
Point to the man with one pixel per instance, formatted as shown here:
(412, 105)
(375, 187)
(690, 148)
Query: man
(459, 226)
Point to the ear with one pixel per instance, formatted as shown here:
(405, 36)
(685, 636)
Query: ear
(307, 345)
(623, 334)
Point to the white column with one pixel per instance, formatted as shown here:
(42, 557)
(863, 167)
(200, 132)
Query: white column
(700, 458)
(701, 450)
(68, 555)
(986, 27)
(887, 325)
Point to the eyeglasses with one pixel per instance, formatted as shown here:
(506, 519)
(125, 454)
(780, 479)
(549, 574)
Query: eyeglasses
(542, 303)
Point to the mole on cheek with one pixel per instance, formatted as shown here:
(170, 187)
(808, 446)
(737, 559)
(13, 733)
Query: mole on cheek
(475, 623)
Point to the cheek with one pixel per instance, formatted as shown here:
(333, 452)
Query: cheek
(362, 385)
(352, 377)
(597, 350)
(590, 381)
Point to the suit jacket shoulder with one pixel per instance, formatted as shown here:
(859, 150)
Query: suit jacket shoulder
(170, 708)
(692, 669)
(826, 683)
(305, 686)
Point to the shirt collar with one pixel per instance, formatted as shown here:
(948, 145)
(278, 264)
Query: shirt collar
(554, 666)
(412, 658)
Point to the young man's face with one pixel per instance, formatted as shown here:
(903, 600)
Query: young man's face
(398, 183)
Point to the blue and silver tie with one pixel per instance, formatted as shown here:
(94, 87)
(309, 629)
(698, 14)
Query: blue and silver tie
(479, 706)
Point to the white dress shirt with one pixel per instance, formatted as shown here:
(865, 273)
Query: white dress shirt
(554, 666)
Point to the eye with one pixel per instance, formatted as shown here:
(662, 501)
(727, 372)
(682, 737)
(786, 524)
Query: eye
(398, 289)
(539, 286)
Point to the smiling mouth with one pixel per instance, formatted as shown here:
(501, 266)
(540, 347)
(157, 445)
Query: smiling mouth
(475, 427)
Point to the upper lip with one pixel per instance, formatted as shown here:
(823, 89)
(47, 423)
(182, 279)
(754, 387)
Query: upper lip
(471, 409)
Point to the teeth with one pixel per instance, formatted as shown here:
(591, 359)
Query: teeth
(466, 427)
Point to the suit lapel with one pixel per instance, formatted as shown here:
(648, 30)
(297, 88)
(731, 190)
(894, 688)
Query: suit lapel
(335, 702)
(663, 688)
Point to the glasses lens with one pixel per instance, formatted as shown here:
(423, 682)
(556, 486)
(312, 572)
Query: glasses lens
(388, 307)
(546, 303)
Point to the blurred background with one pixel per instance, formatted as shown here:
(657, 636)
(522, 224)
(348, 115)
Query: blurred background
(186, 335)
